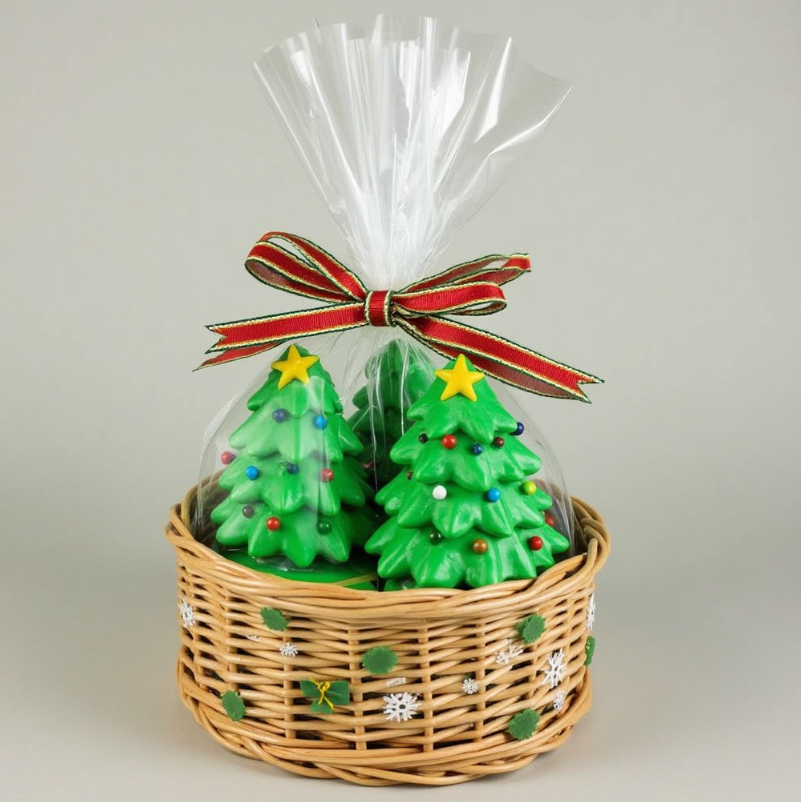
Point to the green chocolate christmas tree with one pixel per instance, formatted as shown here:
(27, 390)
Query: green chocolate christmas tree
(397, 376)
(463, 512)
(296, 489)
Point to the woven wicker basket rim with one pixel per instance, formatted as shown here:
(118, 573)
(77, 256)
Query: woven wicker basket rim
(347, 603)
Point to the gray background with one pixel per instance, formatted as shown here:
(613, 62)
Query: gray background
(139, 164)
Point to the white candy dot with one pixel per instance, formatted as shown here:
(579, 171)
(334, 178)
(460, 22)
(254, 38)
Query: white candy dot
(439, 492)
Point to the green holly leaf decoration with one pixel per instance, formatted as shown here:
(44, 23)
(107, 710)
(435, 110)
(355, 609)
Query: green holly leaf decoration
(273, 619)
(233, 705)
(325, 694)
(379, 660)
(531, 628)
(589, 650)
(522, 726)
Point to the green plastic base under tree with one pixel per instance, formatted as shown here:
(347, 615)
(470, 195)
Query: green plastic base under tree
(319, 571)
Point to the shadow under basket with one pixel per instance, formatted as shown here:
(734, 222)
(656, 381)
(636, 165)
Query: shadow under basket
(457, 731)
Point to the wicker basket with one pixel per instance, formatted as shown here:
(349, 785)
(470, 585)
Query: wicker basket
(440, 637)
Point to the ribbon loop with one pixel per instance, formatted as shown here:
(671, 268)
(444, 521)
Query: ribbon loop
(294, 264)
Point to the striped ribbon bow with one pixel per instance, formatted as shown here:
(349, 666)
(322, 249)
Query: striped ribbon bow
(471, 288)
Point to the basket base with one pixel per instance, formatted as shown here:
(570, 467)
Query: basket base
(466, 765)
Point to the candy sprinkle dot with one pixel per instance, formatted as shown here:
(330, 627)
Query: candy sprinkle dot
(273, 524)
(248, 511)
(519, 430)
(227, 457)
(252, 472)
(280, 415)
(320, 422)
(292, 468)
(493, 494)
(477, 448)
(440, 492)
(528, 488)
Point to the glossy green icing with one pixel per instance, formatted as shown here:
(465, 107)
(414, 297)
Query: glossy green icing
(404, 543)
(298, 501)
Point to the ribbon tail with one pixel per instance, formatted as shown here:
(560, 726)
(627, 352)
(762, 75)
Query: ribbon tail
(243, 338)
(234, 354)
(500, 358)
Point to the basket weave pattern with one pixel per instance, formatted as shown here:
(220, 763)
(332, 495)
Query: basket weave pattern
(440, 636)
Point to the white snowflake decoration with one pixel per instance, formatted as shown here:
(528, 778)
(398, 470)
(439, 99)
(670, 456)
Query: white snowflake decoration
(401, 706)
(469, 686)
(591, 612)
(559, 701)
(288, 649)
(556, 668)
(187, 614)
(395, 681)
(508, 653)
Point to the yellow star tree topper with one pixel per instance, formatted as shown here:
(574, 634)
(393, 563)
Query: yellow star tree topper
(459, 380)
(294, 367)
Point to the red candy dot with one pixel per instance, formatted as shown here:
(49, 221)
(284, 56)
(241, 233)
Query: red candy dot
(227, 457)
(326, 475)
(449, 441)
(273, 524)
(498, 442)
(549, 519)
(535, 543)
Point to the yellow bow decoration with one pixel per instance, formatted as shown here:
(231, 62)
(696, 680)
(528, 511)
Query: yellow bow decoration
(326, 694)
(323, 687)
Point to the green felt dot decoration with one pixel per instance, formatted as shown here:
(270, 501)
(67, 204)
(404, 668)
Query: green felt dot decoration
(273, 619)
(531, 628)
(522, 726)
(379, 660)
(233, 705)
(589, 650)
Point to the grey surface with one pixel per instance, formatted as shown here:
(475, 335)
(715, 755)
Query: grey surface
(140, 162)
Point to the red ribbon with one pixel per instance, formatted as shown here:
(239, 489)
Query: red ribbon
(472, 288)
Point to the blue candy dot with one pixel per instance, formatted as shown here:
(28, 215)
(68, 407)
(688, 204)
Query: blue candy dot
(477, 448)
(493, 494)
(519, 430)
(280, 415)
(320, 421)
(291, 467)
(252, 472)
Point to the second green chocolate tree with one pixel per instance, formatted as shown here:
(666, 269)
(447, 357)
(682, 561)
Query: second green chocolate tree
(463, 512)
(397, 376)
